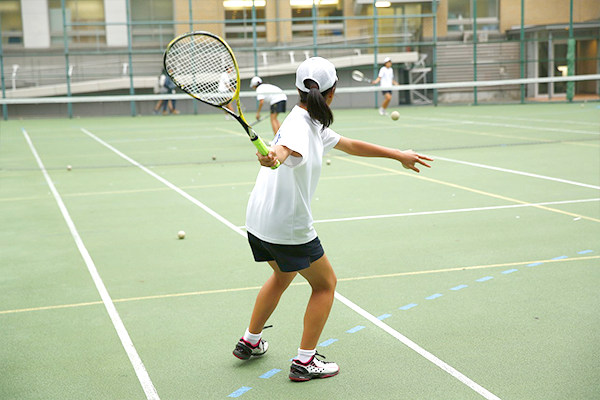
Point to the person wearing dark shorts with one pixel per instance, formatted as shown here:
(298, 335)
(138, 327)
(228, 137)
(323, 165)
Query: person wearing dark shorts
(279, 220)
(289, 258)
(275, 98)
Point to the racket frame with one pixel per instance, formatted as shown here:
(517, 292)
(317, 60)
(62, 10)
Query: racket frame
(254, 138)
(359, 76)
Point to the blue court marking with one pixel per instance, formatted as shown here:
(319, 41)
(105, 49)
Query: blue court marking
(585, 251)
(270, 373)
(560, 257)
(240, 391)
(485, 278)
(384, 316)
(408, 306)
(509, 271)
(328, 342)
(459, 287)
(433, 296)
(355, 329)
(534, 264)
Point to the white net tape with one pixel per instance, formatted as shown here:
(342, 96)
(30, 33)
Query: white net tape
(203, 66)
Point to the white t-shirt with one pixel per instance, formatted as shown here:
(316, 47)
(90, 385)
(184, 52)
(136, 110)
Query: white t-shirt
(275, 94)
(279, 207)
(224, 83)
(387, 76)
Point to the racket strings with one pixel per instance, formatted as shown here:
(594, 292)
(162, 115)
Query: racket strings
(203, 67)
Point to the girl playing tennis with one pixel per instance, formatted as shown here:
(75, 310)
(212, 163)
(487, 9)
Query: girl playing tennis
(279, 220)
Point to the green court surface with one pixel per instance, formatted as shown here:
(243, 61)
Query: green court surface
(476, 278)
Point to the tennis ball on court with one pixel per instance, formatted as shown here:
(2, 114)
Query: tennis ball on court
(328, 162)
(69, 167)
(395, 115)
(214, 158)
(181, 234)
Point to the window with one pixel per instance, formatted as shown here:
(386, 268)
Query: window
(12, 25)
(303, 9)
(460, 15)
(238, 15)
(77, 11)
(150, 11)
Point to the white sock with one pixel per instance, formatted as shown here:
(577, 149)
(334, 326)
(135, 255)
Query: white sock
(252, 338)
(305, 355)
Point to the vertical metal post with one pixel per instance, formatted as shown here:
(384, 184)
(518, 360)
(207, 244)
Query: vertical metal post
(254, 38)
(191, 16)
(475, 51)
(376, 46)
(66, 45)
(314, 23)
(551, 64)
(434, 61)
(522, 49)
(129, 51)
(4, 107)
(570, 56)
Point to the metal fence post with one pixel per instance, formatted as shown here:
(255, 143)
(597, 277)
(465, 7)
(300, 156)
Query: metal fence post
(129, 51)
(4, 107)
(66, 44)
(475, 50)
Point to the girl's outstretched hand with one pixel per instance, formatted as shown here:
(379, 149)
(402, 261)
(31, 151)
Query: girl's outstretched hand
(410, 158)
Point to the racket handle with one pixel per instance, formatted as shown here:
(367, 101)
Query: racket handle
(262, 149)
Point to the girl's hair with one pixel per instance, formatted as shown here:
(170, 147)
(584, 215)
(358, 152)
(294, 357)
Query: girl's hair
(315, 103)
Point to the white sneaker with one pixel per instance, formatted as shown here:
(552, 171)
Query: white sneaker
(314, 368)
(382, 111)
(244, 350)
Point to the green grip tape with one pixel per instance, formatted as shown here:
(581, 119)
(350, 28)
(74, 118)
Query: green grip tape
(262, 149)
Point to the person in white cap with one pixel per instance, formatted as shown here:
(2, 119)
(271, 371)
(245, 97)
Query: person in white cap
(279, 221)
(274, 96)
(386, 77)
(226, 86)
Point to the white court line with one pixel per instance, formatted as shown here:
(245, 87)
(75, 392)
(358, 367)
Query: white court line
(367, 217)
(465, 380)
(166, 182)
(134, 358)
(596, 124)
(452, 211)
(512, 171)
(535, 128)
(421, 351)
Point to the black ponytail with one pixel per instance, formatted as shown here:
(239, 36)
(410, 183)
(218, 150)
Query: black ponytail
(315, 103)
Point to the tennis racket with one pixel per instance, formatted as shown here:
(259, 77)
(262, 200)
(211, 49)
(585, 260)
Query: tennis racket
(203, 66)
(359, 76)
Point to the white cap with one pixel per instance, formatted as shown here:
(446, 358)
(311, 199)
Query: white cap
(319, 70)
(255, 81)
(387, 59)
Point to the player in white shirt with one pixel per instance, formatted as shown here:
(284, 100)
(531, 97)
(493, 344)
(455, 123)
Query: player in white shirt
(271, 94)
(225, 86)
(386, 77)
(279, 220)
